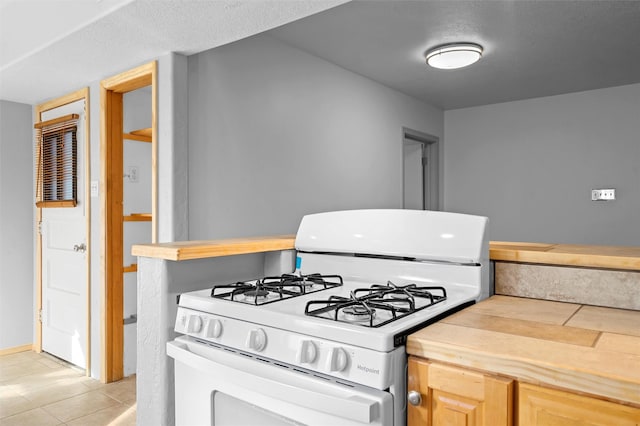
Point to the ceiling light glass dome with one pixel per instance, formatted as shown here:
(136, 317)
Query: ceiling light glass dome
(452, 56)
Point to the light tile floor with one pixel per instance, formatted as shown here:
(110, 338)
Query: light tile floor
(39, 389)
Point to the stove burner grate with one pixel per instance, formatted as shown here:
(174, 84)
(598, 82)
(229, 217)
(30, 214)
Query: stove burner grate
(273, 289)
(363, 303)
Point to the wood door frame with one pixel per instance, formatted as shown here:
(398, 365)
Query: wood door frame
(82, 94)
(111, 185)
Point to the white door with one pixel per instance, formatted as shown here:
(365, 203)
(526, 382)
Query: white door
(64, 263)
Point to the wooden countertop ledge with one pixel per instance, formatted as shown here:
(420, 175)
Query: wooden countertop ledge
(608, 257)
(583, 348)
(186, 250)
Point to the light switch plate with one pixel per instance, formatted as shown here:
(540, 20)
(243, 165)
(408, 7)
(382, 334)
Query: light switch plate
(94, 188)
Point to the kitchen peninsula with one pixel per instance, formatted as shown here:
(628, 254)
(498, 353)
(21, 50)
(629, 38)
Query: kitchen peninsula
(169, 269)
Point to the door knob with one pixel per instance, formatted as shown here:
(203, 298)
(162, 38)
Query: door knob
(414, 398)
(80, 248)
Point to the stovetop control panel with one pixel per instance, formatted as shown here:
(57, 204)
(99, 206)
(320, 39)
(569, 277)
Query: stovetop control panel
(352, 363)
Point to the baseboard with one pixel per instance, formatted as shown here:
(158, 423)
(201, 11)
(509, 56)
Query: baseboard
(16, 349)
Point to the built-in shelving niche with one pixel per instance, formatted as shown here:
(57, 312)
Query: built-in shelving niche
(137, 224)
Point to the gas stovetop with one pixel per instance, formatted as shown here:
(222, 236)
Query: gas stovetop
(371, 306)
(378, 316)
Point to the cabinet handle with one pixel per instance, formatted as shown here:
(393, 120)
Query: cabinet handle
(414, 398)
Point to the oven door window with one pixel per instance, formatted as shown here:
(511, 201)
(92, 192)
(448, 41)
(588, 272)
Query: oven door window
(228, 411)
(215, 386)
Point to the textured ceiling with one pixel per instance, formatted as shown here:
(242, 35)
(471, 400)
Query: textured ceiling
(532, 48)
(26, 26)
(89, 43)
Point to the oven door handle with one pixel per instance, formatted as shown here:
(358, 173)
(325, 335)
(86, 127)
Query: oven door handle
(353, 407)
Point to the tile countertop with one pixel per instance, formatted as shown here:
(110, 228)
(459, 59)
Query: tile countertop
(611, 257)
(577, 347)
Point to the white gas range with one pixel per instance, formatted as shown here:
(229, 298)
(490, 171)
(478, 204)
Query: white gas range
(324, 345)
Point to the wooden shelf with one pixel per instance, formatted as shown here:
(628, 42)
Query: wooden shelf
(138, 217)
(142, 135)
(131, 268)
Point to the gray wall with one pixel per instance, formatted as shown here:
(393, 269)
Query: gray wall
(172, 148)
(530, 166)
(276, 133)
(16, 224)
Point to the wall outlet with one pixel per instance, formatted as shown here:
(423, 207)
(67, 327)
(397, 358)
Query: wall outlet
(133, 174)
(603, 194)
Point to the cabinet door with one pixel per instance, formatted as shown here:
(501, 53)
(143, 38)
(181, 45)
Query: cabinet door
(457, 396)
(549, 407)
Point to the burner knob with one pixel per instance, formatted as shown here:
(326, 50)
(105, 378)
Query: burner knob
(338, 359)
(307, 353)
(257, 339)
(214, 328)
(194, 324)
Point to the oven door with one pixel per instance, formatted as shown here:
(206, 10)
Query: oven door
(215, 385)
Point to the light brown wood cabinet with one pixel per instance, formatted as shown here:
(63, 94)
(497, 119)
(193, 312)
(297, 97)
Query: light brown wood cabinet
(457, 396)
(538, 406)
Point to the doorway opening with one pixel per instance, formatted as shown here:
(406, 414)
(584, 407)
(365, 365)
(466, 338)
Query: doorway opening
(112, 183)
(421, 180)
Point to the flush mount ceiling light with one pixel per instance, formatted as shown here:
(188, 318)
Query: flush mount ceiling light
(455, 55)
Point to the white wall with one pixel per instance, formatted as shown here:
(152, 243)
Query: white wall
(16, 225)
(276, 133)
(530, 166)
